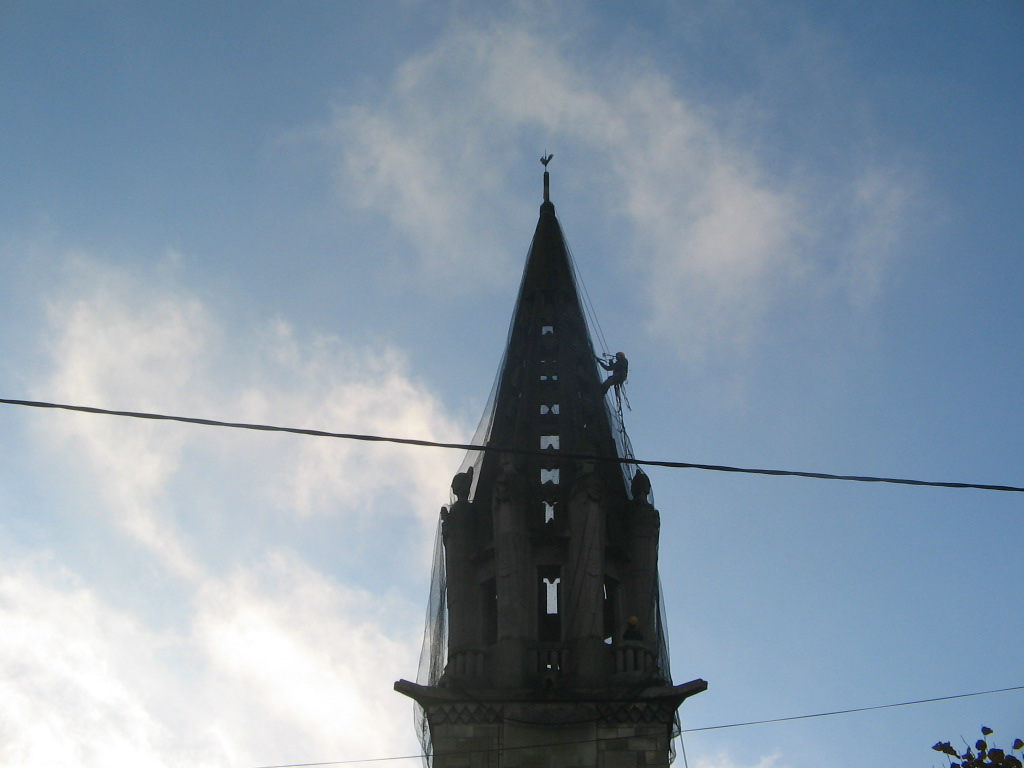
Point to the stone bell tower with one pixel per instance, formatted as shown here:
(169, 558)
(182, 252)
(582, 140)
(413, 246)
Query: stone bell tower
(546, 643)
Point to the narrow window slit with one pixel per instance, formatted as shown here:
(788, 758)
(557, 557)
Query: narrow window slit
(549, 511)
(549, 599)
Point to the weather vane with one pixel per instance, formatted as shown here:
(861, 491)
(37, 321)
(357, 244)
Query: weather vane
(546, 159)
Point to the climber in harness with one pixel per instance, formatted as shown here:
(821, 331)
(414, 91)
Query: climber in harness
(618, 366)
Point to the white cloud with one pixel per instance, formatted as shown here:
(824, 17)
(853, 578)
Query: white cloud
(719, 239)
(135, 342)
(276, 664)
(333, 385)
(78, 678)
(311, 661)
(116, 341)
(223, 653)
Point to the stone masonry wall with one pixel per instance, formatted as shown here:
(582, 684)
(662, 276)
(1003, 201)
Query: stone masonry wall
(521, 745)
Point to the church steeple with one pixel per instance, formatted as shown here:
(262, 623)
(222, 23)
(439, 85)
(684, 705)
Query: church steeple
(546, 579)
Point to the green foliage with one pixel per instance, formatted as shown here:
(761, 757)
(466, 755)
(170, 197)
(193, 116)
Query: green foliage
(982, 754)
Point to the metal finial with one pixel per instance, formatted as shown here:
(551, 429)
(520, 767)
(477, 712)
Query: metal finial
(545, 159)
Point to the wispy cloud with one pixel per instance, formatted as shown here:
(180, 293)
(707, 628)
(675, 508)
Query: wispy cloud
(311, 661)
(718, 236)
(332, 384)
(134, 342)
(264, 643)
(114, 341)
(82, 681)
(275, 663)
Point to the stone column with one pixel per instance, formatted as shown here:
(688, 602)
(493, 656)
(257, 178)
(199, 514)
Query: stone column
(641, 582)
(464, 615)
(584, 579)
(511, 574)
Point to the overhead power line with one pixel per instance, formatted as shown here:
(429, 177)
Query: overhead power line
(857, 709)
(685, 730)
(499, 449)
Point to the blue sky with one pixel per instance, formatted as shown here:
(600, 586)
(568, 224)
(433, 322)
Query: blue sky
(802, 224)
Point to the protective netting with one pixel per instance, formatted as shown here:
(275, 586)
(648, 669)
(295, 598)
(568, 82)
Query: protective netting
(434, 651)
(499, 426)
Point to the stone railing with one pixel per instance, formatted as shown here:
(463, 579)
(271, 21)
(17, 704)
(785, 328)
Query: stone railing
(633, 659)
(550, 658)
(468, 663)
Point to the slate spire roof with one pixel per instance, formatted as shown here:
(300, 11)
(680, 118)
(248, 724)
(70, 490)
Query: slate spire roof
(549, 393)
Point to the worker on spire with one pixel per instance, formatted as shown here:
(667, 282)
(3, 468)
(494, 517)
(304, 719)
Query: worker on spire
(618, 366)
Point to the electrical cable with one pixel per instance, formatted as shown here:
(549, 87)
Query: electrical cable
(685, 730)
(682, 747)
(500, 449)
(858, 709)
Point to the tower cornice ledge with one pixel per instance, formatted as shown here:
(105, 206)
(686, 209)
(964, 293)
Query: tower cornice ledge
(658, 694)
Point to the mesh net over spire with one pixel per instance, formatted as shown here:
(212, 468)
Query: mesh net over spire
(549, 514)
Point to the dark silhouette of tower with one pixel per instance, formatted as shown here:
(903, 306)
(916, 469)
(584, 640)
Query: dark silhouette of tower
(545, 643)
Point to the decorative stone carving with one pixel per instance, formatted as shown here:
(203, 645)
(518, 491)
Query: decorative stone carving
(640, 486)
(457, 531)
